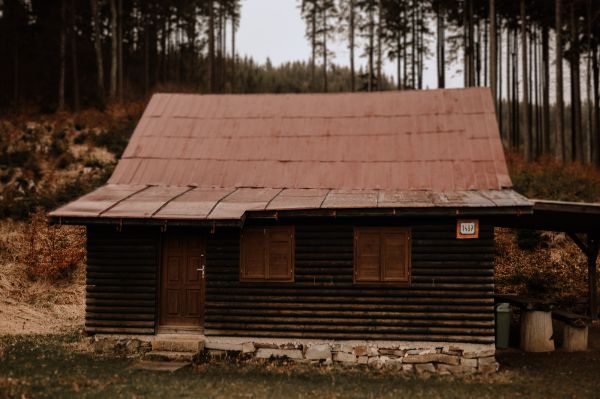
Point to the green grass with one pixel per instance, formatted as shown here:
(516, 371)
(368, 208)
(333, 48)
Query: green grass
(45, 366)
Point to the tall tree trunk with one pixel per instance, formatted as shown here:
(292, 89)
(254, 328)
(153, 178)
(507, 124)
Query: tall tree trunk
(493, 48)
(499, 82)
(527, 144)
(399, 61)
(420, 46)
(478, 55)
(405, 51)
(146, 61)
(577, 138)
(324, 21)
(379, 43)
(98, 50)
(471, 38)
(465, 14)
(485, 47)
(596, 73)
(120, 50)
(74, 60)
(351, 45)
(233, 59)
(413, 52)
(559, 136)
(515, 100)
(371, 47)
(441, 51)
(223, 51)
(546, 142)
(62, 55)
(590, 137)
(509, 85)
(313, 59)
(534, 70)
(211, 47)
(11, 10)
(114, 49)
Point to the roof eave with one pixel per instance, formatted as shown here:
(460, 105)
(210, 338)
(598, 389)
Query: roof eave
(426, 212)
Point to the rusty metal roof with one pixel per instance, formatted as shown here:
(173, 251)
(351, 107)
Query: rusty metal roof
(218, 156)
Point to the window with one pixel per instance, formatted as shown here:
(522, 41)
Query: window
(381, 254)
(267, 254)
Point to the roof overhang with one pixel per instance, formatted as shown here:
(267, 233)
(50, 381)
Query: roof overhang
(572, 217)
(197, 206)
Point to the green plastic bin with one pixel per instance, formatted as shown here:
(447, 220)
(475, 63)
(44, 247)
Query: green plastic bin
(503, 316)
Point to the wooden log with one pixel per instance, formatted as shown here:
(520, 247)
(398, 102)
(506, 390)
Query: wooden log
(247, 332)
(536, 331)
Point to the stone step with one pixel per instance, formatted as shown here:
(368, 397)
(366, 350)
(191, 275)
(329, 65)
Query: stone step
(170, 356)
(178, 345)
(152, 365)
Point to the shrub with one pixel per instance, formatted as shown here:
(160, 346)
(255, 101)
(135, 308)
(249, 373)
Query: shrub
(116, 139)
(58, 145)
(528, 239)
(65, 160)
(50, 252)
(93, 163)
(81, 138)
(548, 179)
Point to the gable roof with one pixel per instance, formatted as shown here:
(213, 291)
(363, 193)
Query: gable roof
(219, 156)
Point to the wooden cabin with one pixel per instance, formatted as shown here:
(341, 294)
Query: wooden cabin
(304, 218)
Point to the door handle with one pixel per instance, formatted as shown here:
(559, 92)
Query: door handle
(201, 270)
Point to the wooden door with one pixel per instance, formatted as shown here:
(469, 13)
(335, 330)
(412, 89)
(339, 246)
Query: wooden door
(182, 281)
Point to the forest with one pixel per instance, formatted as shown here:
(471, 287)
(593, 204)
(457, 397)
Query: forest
(539, 57)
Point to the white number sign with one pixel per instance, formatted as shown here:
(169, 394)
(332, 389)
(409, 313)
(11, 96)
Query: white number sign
(467, 229)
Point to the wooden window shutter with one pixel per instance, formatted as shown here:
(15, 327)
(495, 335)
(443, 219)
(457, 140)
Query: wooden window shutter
(395, 256)
(367, 254)
(280, 253)
(381, 254)
(253, 265)
(267, 254)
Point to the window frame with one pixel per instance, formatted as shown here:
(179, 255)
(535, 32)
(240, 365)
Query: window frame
(408, 259)
(266, 253)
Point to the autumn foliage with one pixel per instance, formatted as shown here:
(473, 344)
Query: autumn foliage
(50, 252)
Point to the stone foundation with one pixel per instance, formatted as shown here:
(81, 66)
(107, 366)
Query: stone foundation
(119, 344)
(403, 356)
(413, 357)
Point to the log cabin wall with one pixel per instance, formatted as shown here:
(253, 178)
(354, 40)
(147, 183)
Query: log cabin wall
(121, 280)
(450, 297)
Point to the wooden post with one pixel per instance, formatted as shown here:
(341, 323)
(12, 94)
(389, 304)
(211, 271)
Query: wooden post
(592, 255)
(590, 249)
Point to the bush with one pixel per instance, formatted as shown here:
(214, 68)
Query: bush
(50, 252)
(58, 145)
(81, 138)
(116, 139)
(528, 239)
(549, 179)
(93, 163)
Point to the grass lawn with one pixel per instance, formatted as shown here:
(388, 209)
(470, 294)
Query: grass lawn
(46, 366)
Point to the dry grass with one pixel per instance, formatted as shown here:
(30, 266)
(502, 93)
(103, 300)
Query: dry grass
(42, 306)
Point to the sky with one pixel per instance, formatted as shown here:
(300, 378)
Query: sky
(275, 29)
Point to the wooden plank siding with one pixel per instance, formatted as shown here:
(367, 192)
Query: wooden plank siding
(450, 297)
(121, 280)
